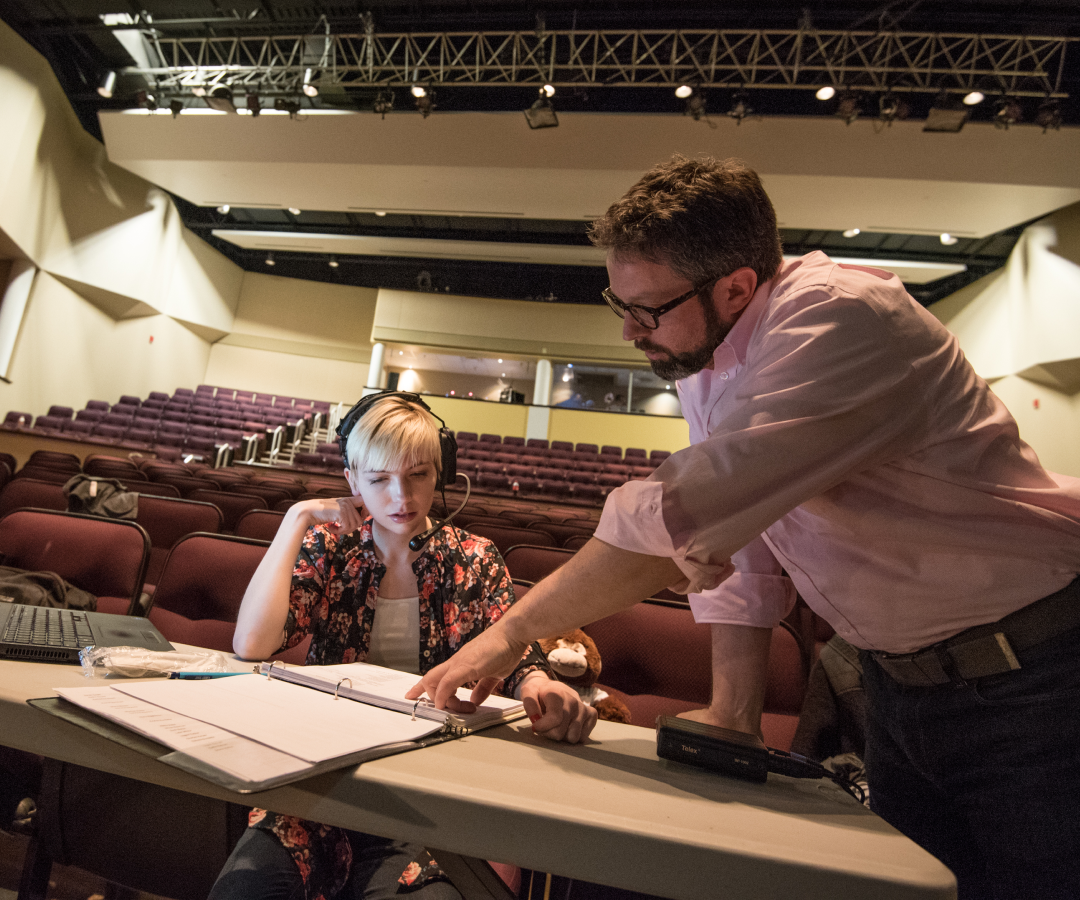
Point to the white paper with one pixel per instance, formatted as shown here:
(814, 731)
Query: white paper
(216, 747)
(307, 724)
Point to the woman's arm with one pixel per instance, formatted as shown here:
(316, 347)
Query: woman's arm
(260, 623)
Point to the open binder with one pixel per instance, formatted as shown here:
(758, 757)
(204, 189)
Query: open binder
(254, 732)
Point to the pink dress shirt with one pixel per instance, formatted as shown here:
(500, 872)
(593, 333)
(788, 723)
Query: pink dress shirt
(842, 436)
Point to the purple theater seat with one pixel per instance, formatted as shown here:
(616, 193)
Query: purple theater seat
(142, 437)
(98, 404)
(588, 492)
(577, 477)
(158, 395)
(467, 436)
(167, 520)
(490, 439)
(149, 413)
(586, 448)
(79, 428)
(183, 392)
(107, 432)
(201, 431)
(562, 445)
(129, 400)
(61, 412)
(50, 424)
(15, 419)
(611, 451)
(511, 441)
(634, 452)
(538, 443)
(203, 421)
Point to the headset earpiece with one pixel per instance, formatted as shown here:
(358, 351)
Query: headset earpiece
(447, 442)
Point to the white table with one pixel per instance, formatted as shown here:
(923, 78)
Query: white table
(609, 811)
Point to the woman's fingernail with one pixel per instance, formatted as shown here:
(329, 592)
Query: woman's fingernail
(534, 719)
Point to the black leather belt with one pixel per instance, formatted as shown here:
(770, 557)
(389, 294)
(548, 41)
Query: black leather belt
(989, 649)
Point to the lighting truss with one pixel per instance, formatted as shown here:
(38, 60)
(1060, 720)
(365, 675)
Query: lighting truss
(1017, 65)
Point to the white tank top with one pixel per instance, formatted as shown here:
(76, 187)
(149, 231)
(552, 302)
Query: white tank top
(395, 635)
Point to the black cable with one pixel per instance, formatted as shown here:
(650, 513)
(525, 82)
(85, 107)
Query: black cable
(795, 765)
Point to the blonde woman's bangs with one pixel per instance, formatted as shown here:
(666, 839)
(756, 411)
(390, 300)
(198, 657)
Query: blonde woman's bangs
(394, 434)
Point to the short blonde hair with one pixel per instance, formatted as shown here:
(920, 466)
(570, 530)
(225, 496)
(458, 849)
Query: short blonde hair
(393, 433)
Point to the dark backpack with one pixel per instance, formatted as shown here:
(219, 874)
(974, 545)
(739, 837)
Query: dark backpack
(104, 497)
(42, 589)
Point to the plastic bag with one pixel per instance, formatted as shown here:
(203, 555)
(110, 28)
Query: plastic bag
(136, 662)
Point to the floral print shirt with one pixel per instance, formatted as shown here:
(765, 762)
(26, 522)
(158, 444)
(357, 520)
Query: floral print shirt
(463, 587)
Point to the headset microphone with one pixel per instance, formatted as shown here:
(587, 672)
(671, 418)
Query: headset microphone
(417, 543)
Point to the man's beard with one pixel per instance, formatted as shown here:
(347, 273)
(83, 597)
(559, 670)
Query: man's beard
(677, 366)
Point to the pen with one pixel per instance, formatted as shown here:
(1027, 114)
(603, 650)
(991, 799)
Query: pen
(200, 676)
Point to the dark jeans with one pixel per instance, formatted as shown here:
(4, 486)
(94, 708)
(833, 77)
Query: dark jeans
(986, 777)
(261, 869)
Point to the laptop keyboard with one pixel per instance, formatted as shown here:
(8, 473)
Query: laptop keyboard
(41, 626)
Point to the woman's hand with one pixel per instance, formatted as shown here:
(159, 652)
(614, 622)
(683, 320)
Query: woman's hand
(342, 514)
(556, 709)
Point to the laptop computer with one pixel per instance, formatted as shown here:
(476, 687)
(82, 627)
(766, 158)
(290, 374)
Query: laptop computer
(44, 634)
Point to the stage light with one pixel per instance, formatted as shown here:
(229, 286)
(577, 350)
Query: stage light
(418, 90)
(384, 103)
(974, 98)
(891, 108)
(294, 210)
(380, 213)
(253, 104)
(224, 209)
(852, 232)
(947, 239)
(1009, 112)
(425, 104)
(848, 108)
(1048, 116)
(292, 107)
(548, 90)
(740, 107)
(146, 99)
(945, 115)
(683, 91)
(308, 88)
(695, 106)
(825, 93)
(176, 107)
(108, 83)
(270, 259)
(500, 360)
(542, 114)
(221, 99)
(332, 262)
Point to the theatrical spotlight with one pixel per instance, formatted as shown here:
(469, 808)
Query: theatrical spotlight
(1049, 116)
(384, 103)
(309, 89)
(825, 93)
(683, 91)
(892, 108)
(425, 103)
(848, 107)
(253, 104)
(270, 259)
(292, 107)
(946, 114)
(332, 262)
(740, 107)
(146, 100)
(418, 90)
(108, 83)
(176, 107)
(1009, 112)
(542, 114)
(221, 99)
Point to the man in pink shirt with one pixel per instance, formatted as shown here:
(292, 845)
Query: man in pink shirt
(841, 446)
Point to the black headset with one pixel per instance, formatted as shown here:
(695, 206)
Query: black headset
(447, 443)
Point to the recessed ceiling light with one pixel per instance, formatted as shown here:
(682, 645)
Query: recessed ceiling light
(825, 93)
(294, 210)
(974, 98)
(852, 232)
(500, 360)
(948, 239)
(224, 209)
(380, 212)
(332, 262)
(683, 91)
(270, 259)
(667, 387)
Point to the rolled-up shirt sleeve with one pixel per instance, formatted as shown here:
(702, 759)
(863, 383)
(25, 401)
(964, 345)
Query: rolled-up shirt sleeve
(757, 593)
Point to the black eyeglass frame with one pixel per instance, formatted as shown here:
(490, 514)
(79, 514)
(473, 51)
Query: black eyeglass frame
(655, 312)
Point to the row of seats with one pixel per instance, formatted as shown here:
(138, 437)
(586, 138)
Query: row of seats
(554, 449)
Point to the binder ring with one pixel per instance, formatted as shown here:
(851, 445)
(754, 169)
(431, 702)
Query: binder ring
(271, 669)
(416, 704)
(338, 685)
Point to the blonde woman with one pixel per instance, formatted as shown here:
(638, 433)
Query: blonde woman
(354, 584)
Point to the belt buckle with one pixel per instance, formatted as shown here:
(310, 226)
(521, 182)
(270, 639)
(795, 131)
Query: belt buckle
(978, 657)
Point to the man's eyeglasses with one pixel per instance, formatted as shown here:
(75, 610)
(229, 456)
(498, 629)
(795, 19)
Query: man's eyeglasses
(649, 316)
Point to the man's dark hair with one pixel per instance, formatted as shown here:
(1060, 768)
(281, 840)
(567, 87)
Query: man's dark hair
(704, 218)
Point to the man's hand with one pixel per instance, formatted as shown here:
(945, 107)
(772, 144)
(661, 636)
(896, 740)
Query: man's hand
(556, 709)
(486, 659)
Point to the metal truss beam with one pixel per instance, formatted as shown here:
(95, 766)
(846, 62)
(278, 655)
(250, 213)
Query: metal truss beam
(1016, 65)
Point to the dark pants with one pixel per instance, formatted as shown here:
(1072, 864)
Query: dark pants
(986, 776)
(260, 868)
